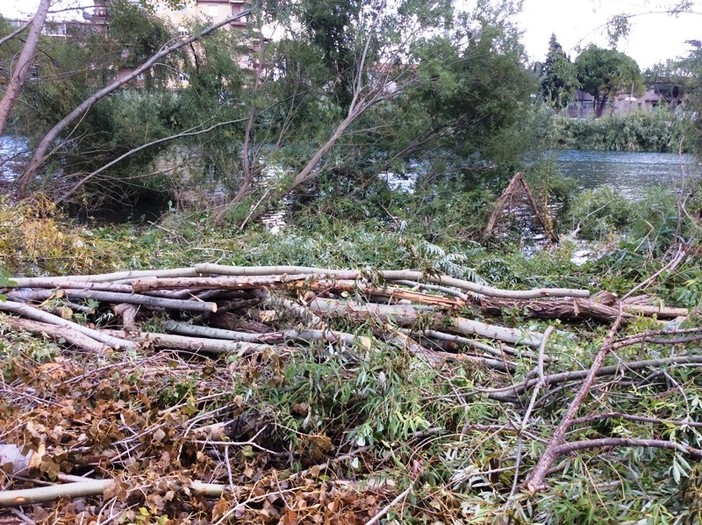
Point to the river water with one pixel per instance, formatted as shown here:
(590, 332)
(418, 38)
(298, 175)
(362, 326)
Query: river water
(632, 174)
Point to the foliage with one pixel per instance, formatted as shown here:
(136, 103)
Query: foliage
(436, 109)
(113, 126)
(135, 34)
(35, 238)
(331, 26)
(558, 80)
(374, 413)
(328, 431)
(691, 68)
(603, 72)
(655, 131)
(477, 93)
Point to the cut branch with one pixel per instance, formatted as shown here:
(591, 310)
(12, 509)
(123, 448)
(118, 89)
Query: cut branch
(392, 275)
(115, 297)
(535, 480)
(26, 310)
(59, 333)
(195, 344)
(407, 315)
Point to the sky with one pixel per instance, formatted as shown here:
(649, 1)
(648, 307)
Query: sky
(654, 38)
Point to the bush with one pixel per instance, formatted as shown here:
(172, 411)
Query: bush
(36, 239)
(599, 213)
(658, 131)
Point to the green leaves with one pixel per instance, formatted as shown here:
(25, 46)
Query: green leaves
(558, 77)
(4, 281)
(602, 72)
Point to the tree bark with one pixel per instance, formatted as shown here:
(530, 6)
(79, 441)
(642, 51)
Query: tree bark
(194, 344)
(406, 315)
(116, 297)
(24, 63)
(575, 308)
(536, 480)
(393, 275)
(58, 333)
(45, 317)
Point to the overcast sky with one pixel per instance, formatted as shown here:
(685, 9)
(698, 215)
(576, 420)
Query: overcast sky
(654, 37)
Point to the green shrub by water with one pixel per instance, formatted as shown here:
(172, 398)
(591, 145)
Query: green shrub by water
(657, 131)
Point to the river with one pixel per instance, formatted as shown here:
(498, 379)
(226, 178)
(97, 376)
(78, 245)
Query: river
(630, 173)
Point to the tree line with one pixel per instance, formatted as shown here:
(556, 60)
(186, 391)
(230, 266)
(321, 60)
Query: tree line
(346, 90)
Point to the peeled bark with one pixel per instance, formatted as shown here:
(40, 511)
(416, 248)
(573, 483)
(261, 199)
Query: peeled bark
(407, 315)
(45, 317)
(192, 344)
(58, 333)
(392, 275)
(116, 297)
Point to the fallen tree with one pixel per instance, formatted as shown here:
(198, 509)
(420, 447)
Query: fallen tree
(250, 316)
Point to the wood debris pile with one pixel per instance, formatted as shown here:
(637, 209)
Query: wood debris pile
(217, 309)
(165, 319)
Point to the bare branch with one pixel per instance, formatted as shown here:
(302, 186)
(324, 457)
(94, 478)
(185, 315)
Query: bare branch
(535, 481)
(566, 448)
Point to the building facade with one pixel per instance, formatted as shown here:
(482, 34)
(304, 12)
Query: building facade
(211, 10)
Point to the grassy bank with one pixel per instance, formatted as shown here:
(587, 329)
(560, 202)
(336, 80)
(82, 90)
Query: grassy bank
(658, 131)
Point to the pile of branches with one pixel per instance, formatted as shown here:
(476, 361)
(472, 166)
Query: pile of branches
(243, 311)
(401, 300)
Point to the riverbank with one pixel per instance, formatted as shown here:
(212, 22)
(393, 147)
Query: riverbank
(659, 131)
(294, 429)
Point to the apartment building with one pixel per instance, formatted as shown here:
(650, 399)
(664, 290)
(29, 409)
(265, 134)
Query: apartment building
(212, 10)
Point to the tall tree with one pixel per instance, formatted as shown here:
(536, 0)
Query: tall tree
(558, 80)
(332, 25)
(24, 64)
(603, 72)
(690, 68)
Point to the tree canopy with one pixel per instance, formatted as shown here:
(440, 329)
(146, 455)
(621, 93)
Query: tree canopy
(602, 72)
(558, 76)
(345, 91)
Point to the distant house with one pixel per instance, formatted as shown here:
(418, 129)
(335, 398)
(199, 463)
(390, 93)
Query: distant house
(622, 104)
(582, 107)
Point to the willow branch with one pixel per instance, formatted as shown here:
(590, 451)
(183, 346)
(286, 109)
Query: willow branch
(30, 312)
(535, 481)
(117, 297)
(393, 275)
(566, 448)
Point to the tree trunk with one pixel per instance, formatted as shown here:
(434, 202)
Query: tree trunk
(23, 66)
(600, 104)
